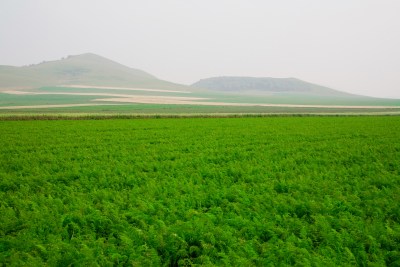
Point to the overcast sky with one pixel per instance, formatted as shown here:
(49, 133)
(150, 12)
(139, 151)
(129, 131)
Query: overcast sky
(349, 45)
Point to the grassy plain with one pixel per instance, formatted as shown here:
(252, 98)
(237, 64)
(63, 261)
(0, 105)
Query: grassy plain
(64, 96)
(184, 110)
(165, 192)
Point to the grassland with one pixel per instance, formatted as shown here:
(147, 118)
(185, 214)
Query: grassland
(85, 69)
(175, 192)
(185, 110)
(31, 100)
(101, 100)
(93, 84)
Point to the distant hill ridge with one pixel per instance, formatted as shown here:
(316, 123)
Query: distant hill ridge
(264, 85)
(93, 70)
(85, 69)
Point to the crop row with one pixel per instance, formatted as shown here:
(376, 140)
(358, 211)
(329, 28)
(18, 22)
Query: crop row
(238, 191)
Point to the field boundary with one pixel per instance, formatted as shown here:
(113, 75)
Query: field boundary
(99, 116)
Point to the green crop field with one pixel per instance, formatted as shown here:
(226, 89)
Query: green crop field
(295, 191)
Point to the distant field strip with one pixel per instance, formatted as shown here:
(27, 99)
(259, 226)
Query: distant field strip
(8, 89)
(98, 94)
(172, 100)
(57, 106)
(182, 101)
(122, 88)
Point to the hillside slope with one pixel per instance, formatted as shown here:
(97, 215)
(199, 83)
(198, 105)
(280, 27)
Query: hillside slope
(265, 85)
(91, 81)
(85, 69)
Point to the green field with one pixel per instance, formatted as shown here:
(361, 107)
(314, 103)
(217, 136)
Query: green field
(186, 110)
(90, 83)
(60, 96)
(296, 191)
(32, 100)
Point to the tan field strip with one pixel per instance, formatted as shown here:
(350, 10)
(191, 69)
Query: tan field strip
(14, 92)
(58, 106)
(181, 101)
(122, 88)
(11, 89)
(174, 100)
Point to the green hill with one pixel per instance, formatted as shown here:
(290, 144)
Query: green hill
(265, 85)
(89, 81)
(85, 69)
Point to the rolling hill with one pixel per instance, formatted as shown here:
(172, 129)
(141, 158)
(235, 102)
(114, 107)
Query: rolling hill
(91, 82)
(85, 69)
(266, 85)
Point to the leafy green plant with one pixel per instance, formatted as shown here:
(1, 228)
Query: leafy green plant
(181, 192)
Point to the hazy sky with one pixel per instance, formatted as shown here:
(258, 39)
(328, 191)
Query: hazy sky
(349, 45)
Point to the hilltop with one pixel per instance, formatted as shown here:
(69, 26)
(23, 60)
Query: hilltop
(265, 85)
(91, 82)
(85, 69)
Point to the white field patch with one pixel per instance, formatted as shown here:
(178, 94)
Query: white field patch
(181, 101)
(121, 88)
(177, 100)
(14, 92)
(7, 89)
(58, 106)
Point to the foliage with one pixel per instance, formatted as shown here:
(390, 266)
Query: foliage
(178, 192)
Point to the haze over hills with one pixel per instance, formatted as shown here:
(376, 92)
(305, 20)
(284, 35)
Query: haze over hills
(85, 69)
(89, 80)
(93, 70)
(266, 85)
